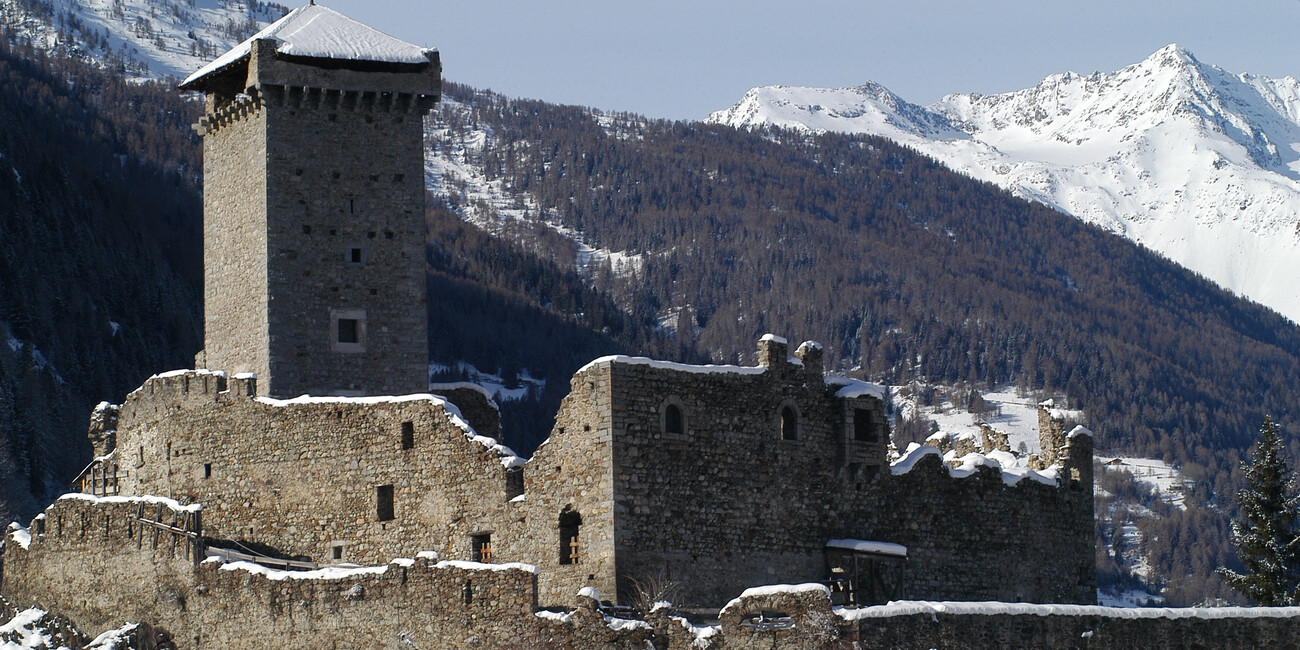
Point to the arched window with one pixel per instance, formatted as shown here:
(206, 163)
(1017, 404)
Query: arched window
(673, 420)
(789, 422)
(570, 522)
(672, 417)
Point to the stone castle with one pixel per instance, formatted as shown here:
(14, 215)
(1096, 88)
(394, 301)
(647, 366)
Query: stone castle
(306, 482)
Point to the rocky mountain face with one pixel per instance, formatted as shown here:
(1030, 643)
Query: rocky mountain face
(1197, 163)
(146, 39)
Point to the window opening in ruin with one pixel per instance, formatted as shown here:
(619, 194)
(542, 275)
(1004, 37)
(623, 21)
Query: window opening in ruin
(384, 503)
(337, 553)
(370, 235)
(408, 435)
(789, 423)
(352, 209)
(570, 522)
(674, 420)
(468, 592)
(864, 429)
(481, 547)
(207, 470)
(355, 255)
(348, 330)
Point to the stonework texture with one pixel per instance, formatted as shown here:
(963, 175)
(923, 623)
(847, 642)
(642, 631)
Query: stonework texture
(90, 559)
(314, 213)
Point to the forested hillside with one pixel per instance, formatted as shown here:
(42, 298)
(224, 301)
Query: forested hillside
(904, 270)
(99, 264)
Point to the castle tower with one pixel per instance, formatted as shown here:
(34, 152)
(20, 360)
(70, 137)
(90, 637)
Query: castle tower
(313, 202)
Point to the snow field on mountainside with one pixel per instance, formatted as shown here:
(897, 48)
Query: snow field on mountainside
(1183, 157)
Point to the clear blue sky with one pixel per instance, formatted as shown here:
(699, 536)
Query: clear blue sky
(683, 60)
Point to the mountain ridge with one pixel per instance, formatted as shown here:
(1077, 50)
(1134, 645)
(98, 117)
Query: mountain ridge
(1132, 151)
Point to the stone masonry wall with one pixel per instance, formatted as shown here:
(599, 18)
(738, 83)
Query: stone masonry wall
(86, 566)
(572, 469)
(304, 477)
(731, 505)
(345, 175)
(314, 214)
(234, 243)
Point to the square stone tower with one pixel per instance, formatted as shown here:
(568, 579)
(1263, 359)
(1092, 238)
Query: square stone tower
(313, 201)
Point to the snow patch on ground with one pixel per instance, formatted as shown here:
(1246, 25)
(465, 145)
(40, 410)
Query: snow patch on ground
(493, 386)
(1160, 476)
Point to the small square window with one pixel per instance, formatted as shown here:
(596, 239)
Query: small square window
(348, 331)
(337, 553)
(355, 255)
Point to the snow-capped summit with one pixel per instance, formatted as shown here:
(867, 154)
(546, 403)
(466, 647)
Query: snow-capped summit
(1196, 162)
(148, 38)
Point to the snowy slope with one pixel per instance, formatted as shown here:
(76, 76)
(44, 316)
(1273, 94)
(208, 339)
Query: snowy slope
(1195, 162)
(149, 38)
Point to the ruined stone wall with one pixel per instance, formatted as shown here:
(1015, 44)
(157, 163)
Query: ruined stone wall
(977, 538)
(574, 470)
(234, 241)
(729, 503)
(303, 476)
(950, 625)
(89, 559)
(86, 566)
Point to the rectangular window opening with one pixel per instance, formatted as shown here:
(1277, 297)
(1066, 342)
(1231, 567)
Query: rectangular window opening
(348, 331)
(384, 503)
(337, 553)
(864, 430)
(481, 547)
(207, 470)
(408, 435)
(355, 255)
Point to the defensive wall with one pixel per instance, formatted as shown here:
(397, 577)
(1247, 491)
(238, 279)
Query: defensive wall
(730, 499)
(334, 479)
(93, 560)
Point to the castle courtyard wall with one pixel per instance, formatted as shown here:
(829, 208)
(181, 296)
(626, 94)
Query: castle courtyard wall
(90, 569)
(730, 504)
(303, 477)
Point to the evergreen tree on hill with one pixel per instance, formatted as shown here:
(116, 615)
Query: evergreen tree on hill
(1265, 534)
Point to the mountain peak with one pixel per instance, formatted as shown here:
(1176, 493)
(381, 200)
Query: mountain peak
(1171, 56)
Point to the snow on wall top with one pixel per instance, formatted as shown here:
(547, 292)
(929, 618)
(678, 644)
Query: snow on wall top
(509, 459)
(970, 464)
(864, 546)
(149, 499)
(671, 365)
(771, 590)
(911, 607)
(322, 33)
(1079, 432)
(852, 388)
(775, 339)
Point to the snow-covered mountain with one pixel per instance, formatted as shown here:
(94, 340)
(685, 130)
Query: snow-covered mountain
(1198, 163)
(148, 38)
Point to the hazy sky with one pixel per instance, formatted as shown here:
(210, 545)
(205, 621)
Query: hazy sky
(684, 60)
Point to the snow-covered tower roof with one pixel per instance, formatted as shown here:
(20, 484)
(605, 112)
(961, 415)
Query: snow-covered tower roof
(319, 35)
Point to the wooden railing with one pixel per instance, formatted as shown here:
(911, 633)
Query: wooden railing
(231, 555)
(184, 531)
(98, 478)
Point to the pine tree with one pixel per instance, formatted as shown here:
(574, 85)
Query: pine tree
(1265, 534)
